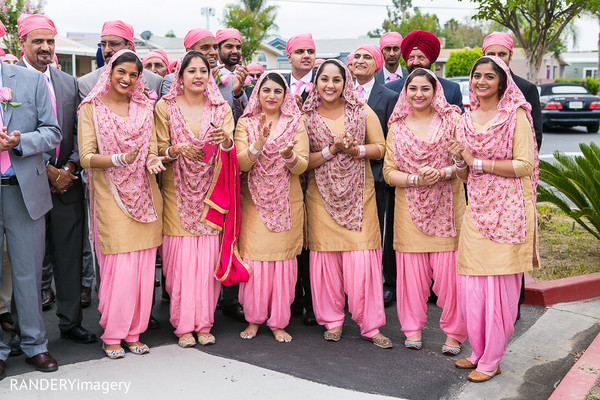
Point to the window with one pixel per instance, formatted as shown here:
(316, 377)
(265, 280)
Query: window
(262, 59)
(547, 72)
(554, 72)
(590, 72)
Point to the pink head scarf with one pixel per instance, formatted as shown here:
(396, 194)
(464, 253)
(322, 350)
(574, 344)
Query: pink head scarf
(130, 185)
(497, 203)
(375, 52)
(430, 207)
(303, 40)
(269, 177)
(255, 66)
(498, 38)
(390, 38)
(120, 29)
(195, 35)
(2, 29)
(2, 53)
(341, 181)
(226, 34)
(30, 22)
(157, 54)
(192, 179)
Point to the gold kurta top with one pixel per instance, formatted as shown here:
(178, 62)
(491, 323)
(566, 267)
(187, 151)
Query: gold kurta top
(407, 237)
(256, 242)
(172, 222)
(324, 234)
(117, 233)
(477, 255)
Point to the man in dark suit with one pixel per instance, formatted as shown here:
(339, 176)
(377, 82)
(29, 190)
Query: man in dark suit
(367, 60)
(500, 44)
(64, 222)
(421, 49)
(302, 53)
(390, 43)
(29, 128)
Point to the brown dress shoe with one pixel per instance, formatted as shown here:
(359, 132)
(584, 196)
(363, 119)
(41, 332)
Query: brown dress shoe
(464, 363)
(86, 296)
(1, 370)
(43, 362)
(47, 298)
(477, 377)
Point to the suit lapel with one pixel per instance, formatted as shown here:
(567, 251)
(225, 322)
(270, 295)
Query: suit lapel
(9, 81)
(58, 95)
(375, 96)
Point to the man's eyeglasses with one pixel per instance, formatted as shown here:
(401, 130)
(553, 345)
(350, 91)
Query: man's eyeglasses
(255, 76)
(113, 43)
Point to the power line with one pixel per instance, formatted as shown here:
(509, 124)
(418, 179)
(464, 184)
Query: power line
(365, 4)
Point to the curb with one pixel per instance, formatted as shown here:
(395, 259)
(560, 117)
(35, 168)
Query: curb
(566, 290)
(582, 376)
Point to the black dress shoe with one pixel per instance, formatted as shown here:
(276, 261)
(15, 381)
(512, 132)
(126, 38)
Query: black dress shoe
(309, 317)
(14, 343)
(47, 298)
(153, 323)
(1, 370)
(389, 295)
(43, 362)
(79, 334)
(234, 311)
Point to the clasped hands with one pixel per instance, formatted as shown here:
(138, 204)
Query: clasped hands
(60, 179)
(459, 152)
(264, 131)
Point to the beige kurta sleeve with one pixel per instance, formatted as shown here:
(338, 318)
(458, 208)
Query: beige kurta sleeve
(161, 125)
(523, 150)
(241, 146)
(389, 165)
(228, 123)
(86, 134)
(301, 150)
(374, 133)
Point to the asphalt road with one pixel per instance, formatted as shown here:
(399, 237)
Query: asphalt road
(565, 140)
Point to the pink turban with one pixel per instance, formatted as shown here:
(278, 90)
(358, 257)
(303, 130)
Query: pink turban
(422, 40)
(350, 58)
(2, 53)
(319, 61)
(375, 52)
(255, 66)
(30, 22)
(9, 57)
(172, 65)
(157, 54)
(118, 28)
(390, 38)
(499, 38)
(2, 29)
(196, 35)
(304, 40)
(229, 33)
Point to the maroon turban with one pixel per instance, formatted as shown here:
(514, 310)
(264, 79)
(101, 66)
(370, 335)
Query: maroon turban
(424, 41)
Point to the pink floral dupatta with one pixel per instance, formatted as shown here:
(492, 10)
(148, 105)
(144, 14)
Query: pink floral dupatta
(430, 207)
(496, 202)
(341, 181)
(192, 179)
(269, 177)
(129, 185)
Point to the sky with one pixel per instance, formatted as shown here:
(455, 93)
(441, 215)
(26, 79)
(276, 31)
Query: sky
(346, 19)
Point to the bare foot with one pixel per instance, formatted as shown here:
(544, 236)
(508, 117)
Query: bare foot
(415, 338)
(282, 336)
(134, 344)
(451, 342)
(379, 336)
(112, 347)
(249, 332)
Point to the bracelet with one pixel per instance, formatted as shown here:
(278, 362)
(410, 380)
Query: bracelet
(327, 154)
(168, 155)
(124, 159)
(406, 184)
(493, 164)
(231, 147)
(292, 158)
(448, 175)
(478, 165)
(362, 151)
(118, 160)
(253, 150)
(58, 177)
(413, 180)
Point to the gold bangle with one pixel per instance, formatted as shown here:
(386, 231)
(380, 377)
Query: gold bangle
(58, 177)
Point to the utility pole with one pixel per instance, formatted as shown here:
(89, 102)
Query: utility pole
(209, 12)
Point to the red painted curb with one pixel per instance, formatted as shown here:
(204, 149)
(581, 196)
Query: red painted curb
(582, 377)
(566, 290)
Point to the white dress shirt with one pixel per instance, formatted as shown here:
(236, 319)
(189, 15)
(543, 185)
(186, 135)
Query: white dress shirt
(367, 88)
(386, 73)
(305, 79)
(46, 73)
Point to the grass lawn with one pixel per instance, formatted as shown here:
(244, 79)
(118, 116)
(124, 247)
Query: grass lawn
(566, 249)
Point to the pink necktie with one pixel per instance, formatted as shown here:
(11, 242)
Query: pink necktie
(360, 90)
(298, 86)
(53, 101)
(392, 77)
(4, 158)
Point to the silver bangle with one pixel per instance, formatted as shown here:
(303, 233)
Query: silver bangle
(229, 148)
(326, 153)
(362, 151)
(253, 150)
(292, 158)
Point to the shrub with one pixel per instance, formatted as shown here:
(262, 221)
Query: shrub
(460, 62)
(590, 83)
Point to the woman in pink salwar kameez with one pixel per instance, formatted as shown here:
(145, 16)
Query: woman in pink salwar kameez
(343, 229)
(192, 120)
(430, 203)
(272, 150)
(115, 135)
(495, 152)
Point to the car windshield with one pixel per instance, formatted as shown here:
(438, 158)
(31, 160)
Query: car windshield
(464, 88)
(568, 89)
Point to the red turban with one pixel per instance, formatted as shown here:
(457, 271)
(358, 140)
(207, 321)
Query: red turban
(194, 36)
(157, 54)
(118, 28)
(424, 41)
(301, 41)
(375, 52)
(30, 22)
(229, 33)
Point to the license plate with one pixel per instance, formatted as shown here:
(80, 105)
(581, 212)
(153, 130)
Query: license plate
(575, 105)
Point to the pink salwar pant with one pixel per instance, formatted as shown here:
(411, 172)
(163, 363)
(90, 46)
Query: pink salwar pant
(415, 272)
(188, 266)
(358, 275)
(489, 306)
(125, 294)
(270, 289)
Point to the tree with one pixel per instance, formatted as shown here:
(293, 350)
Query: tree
(460, 62)
(254, 20)
(536, 24)
(403, 18)
(170, 33)
(459, 35)
(9, 13)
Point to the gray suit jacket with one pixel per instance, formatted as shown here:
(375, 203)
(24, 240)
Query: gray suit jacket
(382, 101)
(87, 82)
(67, 101)
(40, 132)
(379, 78)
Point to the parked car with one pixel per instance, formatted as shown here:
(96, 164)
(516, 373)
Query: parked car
(569, 104)
(464, 90)
(458, 79)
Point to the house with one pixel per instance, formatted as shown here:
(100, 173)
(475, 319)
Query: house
(582, 64)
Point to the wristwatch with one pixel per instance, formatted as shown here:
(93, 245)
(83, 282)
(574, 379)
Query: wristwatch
(66, 168)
